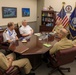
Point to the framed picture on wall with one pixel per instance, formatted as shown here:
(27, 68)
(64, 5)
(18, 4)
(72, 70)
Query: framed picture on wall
(25, 12)
(9, 12)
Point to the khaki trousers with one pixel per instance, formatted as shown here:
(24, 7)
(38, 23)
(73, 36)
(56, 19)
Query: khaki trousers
(12, 55)
(21, 63)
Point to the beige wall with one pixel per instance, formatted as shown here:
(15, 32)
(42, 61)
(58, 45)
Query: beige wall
(32, 4)
(40, 4)
(57, 4)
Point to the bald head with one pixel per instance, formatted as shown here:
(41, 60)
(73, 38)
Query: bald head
(64, 32)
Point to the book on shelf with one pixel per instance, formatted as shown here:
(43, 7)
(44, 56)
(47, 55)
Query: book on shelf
(47, 14)
(49, 24)
(48, 19)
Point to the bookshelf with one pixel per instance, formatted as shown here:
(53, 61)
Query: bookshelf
(48, 19)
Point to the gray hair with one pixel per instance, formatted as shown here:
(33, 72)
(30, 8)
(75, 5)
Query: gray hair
(23, 21)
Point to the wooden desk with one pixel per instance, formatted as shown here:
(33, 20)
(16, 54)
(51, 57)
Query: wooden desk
(36, 49)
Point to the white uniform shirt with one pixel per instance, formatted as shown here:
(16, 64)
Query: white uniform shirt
(9, 35)
(25, 30)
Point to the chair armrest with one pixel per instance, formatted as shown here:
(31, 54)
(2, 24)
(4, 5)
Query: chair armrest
(11, 68)
(5, 43)
(68, 50)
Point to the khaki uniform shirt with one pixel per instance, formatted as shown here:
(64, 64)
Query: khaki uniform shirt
(57, 28)
(74, 42)
(62, 44)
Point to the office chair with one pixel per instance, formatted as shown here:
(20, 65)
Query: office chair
(62, 57)
(17, 31)
(3, 45)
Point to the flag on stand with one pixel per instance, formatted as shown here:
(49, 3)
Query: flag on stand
(72, 25)
(62, 17)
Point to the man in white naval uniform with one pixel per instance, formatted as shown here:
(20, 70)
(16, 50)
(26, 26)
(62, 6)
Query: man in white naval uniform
(25, 30)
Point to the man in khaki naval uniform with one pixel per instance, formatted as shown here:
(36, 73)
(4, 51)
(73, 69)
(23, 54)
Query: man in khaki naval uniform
(63, 43)
(57, 27)
(7, 61)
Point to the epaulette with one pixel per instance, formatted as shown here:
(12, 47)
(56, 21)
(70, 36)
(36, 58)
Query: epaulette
(5, 31)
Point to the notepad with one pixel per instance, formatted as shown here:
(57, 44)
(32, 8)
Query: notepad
(37, 34)
(24, 41)
(52, 33)
(47, 45)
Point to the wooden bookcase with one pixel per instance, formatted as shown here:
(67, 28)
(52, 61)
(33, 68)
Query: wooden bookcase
(48, 19)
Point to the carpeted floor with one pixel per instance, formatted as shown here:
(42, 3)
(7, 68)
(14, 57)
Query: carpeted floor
(44, 70)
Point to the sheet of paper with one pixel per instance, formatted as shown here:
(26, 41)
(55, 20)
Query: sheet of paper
(47, 45)
(37, 34)
(24, 41)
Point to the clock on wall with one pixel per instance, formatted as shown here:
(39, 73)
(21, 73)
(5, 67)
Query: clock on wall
(68, 8)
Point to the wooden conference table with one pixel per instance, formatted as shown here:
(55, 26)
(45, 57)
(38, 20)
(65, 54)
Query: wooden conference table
(35, 51)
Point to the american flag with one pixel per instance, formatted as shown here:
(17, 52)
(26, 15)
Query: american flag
(62, 17)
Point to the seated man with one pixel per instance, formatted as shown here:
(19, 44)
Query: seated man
(63, 43)
(25, 30)
(57, 27)
(9, 60)
(9, 34)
